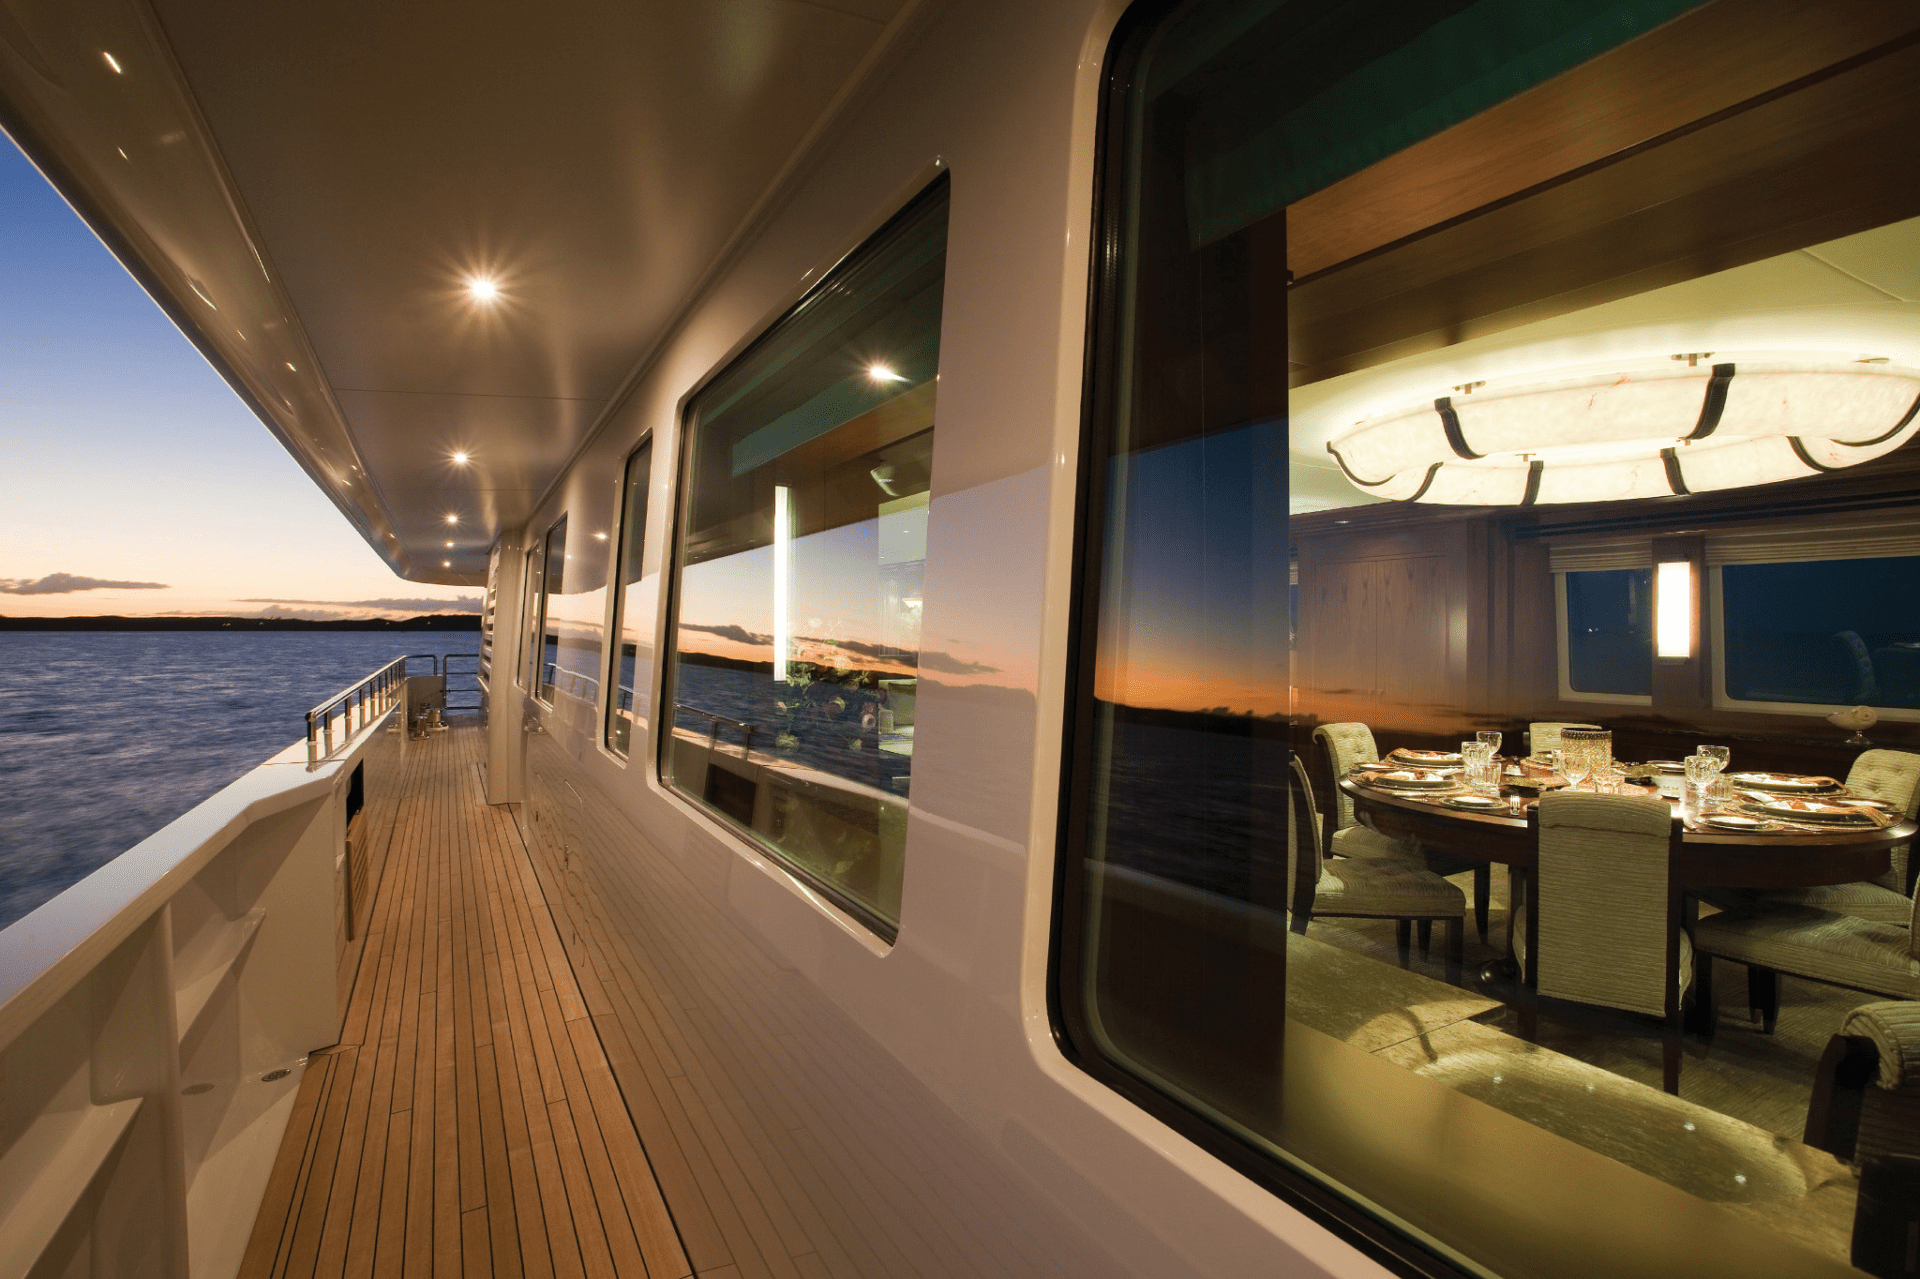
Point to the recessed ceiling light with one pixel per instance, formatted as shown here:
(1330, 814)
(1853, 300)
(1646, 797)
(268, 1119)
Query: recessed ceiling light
(446, 563)
(483, 288)
(449, 545)
(290, 366)
(882, 373)
(459, 459)
(112, 62)
(453, 519)
(601, 536)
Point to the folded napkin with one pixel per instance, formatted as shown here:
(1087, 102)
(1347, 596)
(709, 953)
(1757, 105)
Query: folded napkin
(1829, 812)
(1424, 757)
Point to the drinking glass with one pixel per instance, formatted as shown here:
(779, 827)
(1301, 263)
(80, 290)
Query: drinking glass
(1715, 793)
(1585, 751)
(1700, 775)
(1478, 772)
(1718, 754)
(1550, 760)
(1491, 736)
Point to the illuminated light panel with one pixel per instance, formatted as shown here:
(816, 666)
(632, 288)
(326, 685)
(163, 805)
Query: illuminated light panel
(1647, 432)
(446, 563)
(883, 373)
(782, 554)
(483, 289)
(1673, 610)
(459, 459)
(453, 519)
(112, 62)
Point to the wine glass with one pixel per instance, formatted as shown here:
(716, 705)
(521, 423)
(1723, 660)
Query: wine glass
(1491, 736)
(1700, 775)
(1586, 751)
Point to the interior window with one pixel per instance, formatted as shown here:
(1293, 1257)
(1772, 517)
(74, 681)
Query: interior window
(1514, 917)
(800, 571)
(634, 593)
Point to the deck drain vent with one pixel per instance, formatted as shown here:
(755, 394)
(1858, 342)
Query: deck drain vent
(272, 1075)
(194, 1090)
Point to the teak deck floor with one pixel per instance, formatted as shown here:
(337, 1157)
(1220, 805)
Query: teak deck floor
(467, 1123)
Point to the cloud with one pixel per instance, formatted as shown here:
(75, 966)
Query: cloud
(738, 634)
(62, 583)
(947, 664)
(463, 604)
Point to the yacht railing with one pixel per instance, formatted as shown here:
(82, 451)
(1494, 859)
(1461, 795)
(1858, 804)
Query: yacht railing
(716, 722)
(357, 705)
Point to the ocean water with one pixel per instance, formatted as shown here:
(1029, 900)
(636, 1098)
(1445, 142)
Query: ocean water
(107, 737)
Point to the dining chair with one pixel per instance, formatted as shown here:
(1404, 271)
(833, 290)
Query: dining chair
(1341, 747)
(1805, 941)
(1893, 777)
(1357, 888)
(1600, 923)
(1545, 736)
(1865, 1110)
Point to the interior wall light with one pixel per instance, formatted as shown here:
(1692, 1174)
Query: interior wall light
(1647, 433)
(1674, 609)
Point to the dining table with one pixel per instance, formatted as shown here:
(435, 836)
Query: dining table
(1707, 858)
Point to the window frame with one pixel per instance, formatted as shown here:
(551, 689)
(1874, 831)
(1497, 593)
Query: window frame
(1073, 1033)
(540, 684)
(666, 704)
(1716, 644)
(1563, 643)
(617, 589)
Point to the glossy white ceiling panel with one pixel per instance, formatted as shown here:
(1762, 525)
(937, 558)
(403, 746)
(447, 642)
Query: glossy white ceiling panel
(307, 187)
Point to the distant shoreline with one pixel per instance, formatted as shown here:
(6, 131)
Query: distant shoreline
(425, 622)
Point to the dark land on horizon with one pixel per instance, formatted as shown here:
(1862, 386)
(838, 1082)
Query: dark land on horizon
(425, 622)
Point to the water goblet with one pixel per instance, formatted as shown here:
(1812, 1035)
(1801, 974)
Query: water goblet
(1478, 771)
(1715, 793)
(1491, 736)
(1700, 775)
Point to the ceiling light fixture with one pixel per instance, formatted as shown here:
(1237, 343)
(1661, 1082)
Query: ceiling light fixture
(1648, 433)
(112, 62)
(459, 459)
(446, 563)
(483, 289)
(453, 519)
(882, 373)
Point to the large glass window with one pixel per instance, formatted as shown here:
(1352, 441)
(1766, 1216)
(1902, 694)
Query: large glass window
(1830, 632)
(1544, 339)
(799, 586)
(553, 581)
(635, 591)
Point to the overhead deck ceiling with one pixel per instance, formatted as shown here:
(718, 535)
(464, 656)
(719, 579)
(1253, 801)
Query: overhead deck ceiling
(309, 188)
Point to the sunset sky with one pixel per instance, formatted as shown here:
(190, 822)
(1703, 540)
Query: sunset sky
(134, 481)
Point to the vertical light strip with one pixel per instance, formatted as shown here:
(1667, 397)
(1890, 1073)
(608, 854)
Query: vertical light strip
(1673, 609)
(782, 555)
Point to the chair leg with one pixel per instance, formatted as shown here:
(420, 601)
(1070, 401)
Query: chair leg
(1670, 1052)
(1456, 947)
(1403, 938)
(1482, 896)
(1763, 997)
(1425, 932)
(1706, 1012)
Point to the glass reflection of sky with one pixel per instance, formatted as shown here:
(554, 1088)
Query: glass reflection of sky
(1195, 610)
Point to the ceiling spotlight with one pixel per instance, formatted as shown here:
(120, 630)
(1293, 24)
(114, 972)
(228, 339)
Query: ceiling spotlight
(446, 563)
(112, 62)
(882, 373)
(453, 519)
(601, 536)
(483, 288)
(459, 459)
(449, 545)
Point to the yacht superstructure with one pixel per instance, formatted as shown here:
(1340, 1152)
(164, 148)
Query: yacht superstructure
(868, 423)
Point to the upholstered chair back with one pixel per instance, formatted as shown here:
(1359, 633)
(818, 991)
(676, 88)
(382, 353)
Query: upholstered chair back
(1303, 831)
(1892, 777)
(1890, 1117)
(1600, 888)
(1546, 736)
(1344, 746)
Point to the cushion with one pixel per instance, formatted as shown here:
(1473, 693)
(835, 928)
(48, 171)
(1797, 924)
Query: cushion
(1354, 887)
(1365, 844)
(1863, 901)
(1814, 943)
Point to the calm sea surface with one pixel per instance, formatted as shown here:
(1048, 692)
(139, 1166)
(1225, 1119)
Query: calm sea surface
(105, 738)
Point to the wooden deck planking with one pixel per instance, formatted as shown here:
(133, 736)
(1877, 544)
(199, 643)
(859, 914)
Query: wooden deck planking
(468, 1121)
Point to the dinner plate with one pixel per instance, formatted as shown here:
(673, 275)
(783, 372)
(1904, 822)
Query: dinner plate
(1427, 757)
(1733, 821)
(1785, 783)
(1476, 803)
(1413, 779)
(1813, 810)
(1665, 766)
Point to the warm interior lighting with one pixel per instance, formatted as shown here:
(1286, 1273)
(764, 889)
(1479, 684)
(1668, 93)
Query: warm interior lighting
(600, 537)
(449, 545)
(453, 519)
(290, 367)
(112, 62)
(782, 554)
(459, 459)
(1673, 609)
(1670, 428)
(483, 288)
(446, 563)
(882, 373)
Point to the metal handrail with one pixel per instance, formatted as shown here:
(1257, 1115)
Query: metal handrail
(713, 733)
(359, 704)
(431, 657)
(446, 668)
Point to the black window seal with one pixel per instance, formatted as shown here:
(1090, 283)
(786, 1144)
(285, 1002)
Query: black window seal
(619, 587)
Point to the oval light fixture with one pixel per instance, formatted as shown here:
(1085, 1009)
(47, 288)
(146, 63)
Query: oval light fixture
(1647, 433)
